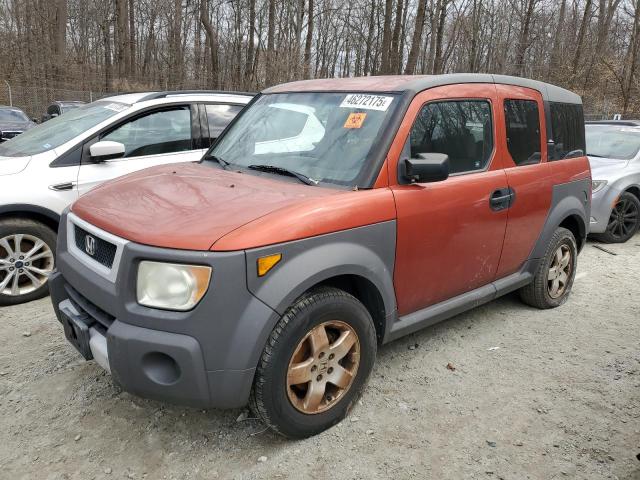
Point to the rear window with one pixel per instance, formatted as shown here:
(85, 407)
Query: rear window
(567, 130)
(523, 131)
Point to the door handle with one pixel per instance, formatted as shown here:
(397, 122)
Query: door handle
(61, 187)
(502, 199)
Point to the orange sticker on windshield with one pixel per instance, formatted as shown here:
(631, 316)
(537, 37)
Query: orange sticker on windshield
(355, 120)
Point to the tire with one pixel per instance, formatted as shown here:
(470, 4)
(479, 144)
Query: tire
(34, 266)
(541, 293)
(624, 220)
(280, 402)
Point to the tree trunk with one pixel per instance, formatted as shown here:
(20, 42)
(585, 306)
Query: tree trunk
(122, 38)
(60, 37)
(417, 38)
(386, 37)
(308, 42)
(583, 28)
(248, 68)
(395, 39)
(438, 63)
(271, 32)
(132, 39)
(210, 36)
(523, 42)
(555, 50)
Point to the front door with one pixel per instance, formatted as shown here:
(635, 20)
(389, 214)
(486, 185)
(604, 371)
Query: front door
(153, 138)
(450, 233)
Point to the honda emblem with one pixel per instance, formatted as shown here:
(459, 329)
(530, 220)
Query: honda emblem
(90, 245)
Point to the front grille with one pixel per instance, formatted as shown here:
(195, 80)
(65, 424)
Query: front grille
(96, 248)
(103, 318)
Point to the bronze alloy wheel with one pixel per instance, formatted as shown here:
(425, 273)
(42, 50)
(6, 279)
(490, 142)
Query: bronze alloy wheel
(323, 367)
(560, 271)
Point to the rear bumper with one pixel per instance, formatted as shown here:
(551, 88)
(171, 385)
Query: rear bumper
(154, 364)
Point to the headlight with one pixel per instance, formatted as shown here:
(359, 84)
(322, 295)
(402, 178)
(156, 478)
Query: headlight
(597, 185)
(171, 286)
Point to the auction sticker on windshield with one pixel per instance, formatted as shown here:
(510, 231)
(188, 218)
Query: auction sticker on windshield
(355, 120)
(367, 102)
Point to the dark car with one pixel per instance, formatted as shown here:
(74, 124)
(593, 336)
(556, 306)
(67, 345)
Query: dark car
(57, 108)
(13, 122)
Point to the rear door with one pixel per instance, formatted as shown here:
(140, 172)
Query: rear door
(528, 173)
(154, 137)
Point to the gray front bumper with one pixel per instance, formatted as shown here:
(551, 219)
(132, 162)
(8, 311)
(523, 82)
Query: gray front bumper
(205, 357)
(601, 205)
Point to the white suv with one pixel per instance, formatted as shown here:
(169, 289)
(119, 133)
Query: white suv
(45, 169)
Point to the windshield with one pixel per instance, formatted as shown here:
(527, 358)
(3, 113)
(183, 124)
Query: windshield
(616, 142)
(7, 115)
(60, 130)
(325, 136)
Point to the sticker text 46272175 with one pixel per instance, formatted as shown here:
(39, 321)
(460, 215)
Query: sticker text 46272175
(367, 102)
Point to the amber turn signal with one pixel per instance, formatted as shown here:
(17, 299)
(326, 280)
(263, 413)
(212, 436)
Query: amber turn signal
(267, 263)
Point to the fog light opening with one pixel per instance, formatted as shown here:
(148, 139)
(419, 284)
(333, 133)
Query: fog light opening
(161, 368)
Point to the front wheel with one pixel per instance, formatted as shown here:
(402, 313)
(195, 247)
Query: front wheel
(624, 220)
(26, 259)
(316, 362)
(553, 279)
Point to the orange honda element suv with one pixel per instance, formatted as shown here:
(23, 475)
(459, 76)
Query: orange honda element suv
(331, 216)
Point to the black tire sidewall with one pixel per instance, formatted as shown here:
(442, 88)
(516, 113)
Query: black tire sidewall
(13, 226)
(608, 237)
(288, 420)
(562, 237)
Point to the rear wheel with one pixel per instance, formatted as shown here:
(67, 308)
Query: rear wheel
(26, 259)
(553, 279)
(624, 220)
(317, 359)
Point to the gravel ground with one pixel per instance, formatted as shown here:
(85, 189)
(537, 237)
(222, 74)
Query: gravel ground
(531, 394)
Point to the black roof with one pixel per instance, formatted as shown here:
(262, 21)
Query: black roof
(417, 83)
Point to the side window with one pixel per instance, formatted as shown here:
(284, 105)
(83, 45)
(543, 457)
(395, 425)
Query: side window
(567, 129)
(162, 132)
(462, 129)
(218, 117)
(523, 131)
(52, 109)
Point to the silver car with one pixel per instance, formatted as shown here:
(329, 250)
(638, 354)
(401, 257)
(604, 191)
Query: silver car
(613, 148)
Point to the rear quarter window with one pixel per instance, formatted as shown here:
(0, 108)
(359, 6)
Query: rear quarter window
(523, 131)
(567, 130)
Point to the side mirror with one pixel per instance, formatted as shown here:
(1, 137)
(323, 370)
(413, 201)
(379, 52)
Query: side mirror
(427, 167)
(105, 150)
(53, 115)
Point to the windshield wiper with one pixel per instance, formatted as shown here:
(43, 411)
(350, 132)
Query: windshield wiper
(284, 171)
(220, 160)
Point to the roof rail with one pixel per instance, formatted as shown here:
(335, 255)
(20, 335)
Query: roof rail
(156, 95)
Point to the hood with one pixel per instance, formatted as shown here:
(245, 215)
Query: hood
(606, 168)
(13, 165)
(187, 206)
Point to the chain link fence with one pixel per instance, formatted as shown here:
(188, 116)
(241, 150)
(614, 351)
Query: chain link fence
(34, 100)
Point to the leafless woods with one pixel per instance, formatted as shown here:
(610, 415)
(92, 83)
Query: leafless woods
(591, 46)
